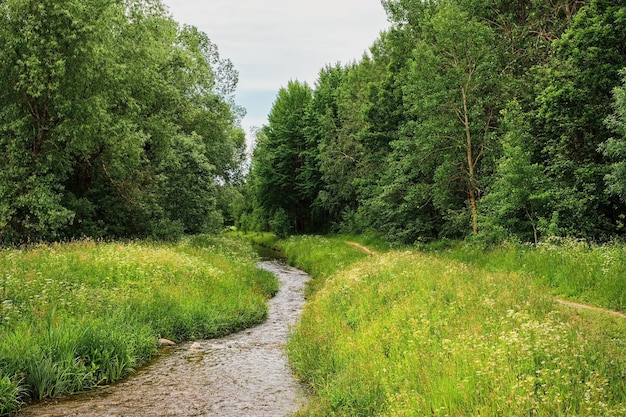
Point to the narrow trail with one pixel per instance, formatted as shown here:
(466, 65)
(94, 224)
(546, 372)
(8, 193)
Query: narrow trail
(244, 374)
(580, 306)
(362, 248)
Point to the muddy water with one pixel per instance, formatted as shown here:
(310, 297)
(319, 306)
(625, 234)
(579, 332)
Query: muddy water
(245, 374)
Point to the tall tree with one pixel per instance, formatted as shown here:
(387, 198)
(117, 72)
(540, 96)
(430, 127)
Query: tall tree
(574, 100)
(56, 61)
(615, 148)
(95, 96)
(321, 131)
(283, 190)
(518, 203)
(452, 97)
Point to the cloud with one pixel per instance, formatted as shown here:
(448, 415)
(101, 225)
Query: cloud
(271, 42)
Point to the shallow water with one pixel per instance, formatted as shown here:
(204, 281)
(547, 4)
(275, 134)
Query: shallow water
(244, 374)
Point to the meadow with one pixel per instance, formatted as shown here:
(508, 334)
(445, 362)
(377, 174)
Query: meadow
(77, 315)
(456, 332)
(594, 274)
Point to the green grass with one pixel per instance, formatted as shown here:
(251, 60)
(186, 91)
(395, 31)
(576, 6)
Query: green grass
(407, 333)
(73, 316)
(320, 256)
(372, 241)
(594, 274)
(265, 244)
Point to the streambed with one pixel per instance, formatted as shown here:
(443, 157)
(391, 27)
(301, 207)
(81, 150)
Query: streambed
(244, 374)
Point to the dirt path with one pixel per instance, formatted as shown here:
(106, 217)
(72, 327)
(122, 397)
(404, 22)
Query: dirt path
(363, 248)
(586, 307)
(244, 374)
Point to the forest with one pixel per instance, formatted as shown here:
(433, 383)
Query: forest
(470, 131)
(489, 120)
(485, 120)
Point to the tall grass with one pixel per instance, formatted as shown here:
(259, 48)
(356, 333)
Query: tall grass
(320, 256)
(594, 274)
(413, 334)
(73, 316)
(266, 244)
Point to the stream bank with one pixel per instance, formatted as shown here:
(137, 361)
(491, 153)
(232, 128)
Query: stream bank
(244, 374)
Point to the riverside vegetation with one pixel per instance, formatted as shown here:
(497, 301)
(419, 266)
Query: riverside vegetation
(421, 333)
(82, 314)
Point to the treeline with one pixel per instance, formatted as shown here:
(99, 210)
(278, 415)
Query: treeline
(115, 121)
(468, 118)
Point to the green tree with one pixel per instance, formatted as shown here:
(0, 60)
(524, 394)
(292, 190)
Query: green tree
(344, 162)
(279, 159)
(615, 148)
(574, 100)
(518, 202)
(322, 131)
(95, 96)
(55, 59)
(451, 95)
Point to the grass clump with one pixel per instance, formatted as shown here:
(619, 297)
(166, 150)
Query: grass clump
(413, 334)
(74, 316)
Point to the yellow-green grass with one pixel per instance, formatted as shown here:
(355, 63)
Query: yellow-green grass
(320, 256)
(594, 274)
(412, 334)
(73, 316)
(266, 244)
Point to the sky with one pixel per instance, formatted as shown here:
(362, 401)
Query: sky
(273, 41)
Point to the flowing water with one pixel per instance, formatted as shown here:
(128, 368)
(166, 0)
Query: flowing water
(244, 374)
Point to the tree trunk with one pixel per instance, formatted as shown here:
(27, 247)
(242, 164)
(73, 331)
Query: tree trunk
(471, 185)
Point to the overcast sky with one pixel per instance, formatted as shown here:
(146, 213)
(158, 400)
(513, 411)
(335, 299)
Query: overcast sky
(273, 41)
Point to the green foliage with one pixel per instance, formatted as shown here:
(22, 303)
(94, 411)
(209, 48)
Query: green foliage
(518, 202)
(412, 140)
(281, 224)
(574, 102)
(281, 178)
(615, 148)
(107, 108)
(74, 316)
(10, 394)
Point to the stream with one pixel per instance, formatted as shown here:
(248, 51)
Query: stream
(244, 374)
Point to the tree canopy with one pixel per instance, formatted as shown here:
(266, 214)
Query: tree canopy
(484, 119)
(115, 121)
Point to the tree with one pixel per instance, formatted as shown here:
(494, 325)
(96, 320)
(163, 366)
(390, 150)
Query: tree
(518, 202)
(102, 104)
(451, 95)
(574, 100)
(55, 59)
(279, 161)
(615, 148)
(346, 166)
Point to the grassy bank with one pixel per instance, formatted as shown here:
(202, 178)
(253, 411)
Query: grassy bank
(406, 333)
(593, 274)
(320, 256)
(77, 315)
